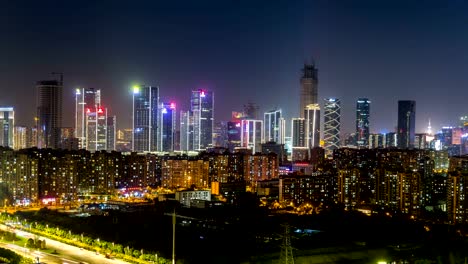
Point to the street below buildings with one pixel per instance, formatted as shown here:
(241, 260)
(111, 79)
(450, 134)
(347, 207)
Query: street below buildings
(66, 254)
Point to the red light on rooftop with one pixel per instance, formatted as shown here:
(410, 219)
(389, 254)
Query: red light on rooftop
(172, 105)
(100, 111)
(88, 110)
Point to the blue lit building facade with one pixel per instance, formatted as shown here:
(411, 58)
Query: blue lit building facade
(145, 118)
(167, 127)
(202, 106)
(362, 122)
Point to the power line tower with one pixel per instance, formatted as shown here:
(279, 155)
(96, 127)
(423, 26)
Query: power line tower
(286, 255)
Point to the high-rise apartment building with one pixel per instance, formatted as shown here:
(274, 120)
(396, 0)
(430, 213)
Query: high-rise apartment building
(362, 122)
(272, 123)
(167, 127)
(332, 125)
(145, 118)
(49, 112)
(7, 123)
(202, 109)
(406, 123)
(309, 87)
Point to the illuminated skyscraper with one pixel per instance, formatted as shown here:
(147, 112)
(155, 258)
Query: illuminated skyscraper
(234, 134)
(282, 131)
(272, 126)
(309, 87)
(202, 106)
(49, 112)
(85, 104)
(299, 149)
(312, 118)
(406, 123)
(362, 122)
(332, 125)
(167, 127)
(20, 137)
(252, 135)
(186, 131)
(7, 123)
(145, 118)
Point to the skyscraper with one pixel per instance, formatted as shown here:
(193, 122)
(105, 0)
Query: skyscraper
(406, 123)
(49, 112)
(299, 139)
(252, 135)
(362, 122)
(20, 137)
(202, 106)
(145, 118)
(167, 127)
(272, 125)
(312, 118)
(309, 87)
(282, 131)
(7, 123)
(111, 133)
(85, 105)
(332, 125)
(234, 134)
(186, 131)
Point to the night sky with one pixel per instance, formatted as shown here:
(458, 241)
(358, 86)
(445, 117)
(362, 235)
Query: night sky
(243, 51)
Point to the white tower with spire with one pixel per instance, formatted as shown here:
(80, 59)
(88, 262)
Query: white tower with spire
(429, 128)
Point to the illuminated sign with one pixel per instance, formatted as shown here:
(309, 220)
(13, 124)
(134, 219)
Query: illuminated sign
(172, 105)
(202, 94)
(88, 110)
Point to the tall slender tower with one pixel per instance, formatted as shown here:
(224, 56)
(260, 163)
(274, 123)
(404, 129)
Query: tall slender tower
(309, 87)
(332, 125)
(362, 122)
(111, 132)
(272, 125)
(202, 108)
(406, 123)
(145, 116)
(166, 127)
(49, 112)
(186, 131)
(312, 118)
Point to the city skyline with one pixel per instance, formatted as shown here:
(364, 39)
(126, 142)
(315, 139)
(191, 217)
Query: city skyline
(232, 70)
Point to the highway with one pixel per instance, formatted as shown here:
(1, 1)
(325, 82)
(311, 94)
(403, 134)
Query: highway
(66, 254)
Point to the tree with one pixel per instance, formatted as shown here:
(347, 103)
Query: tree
(30, 243)
(5, 194)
